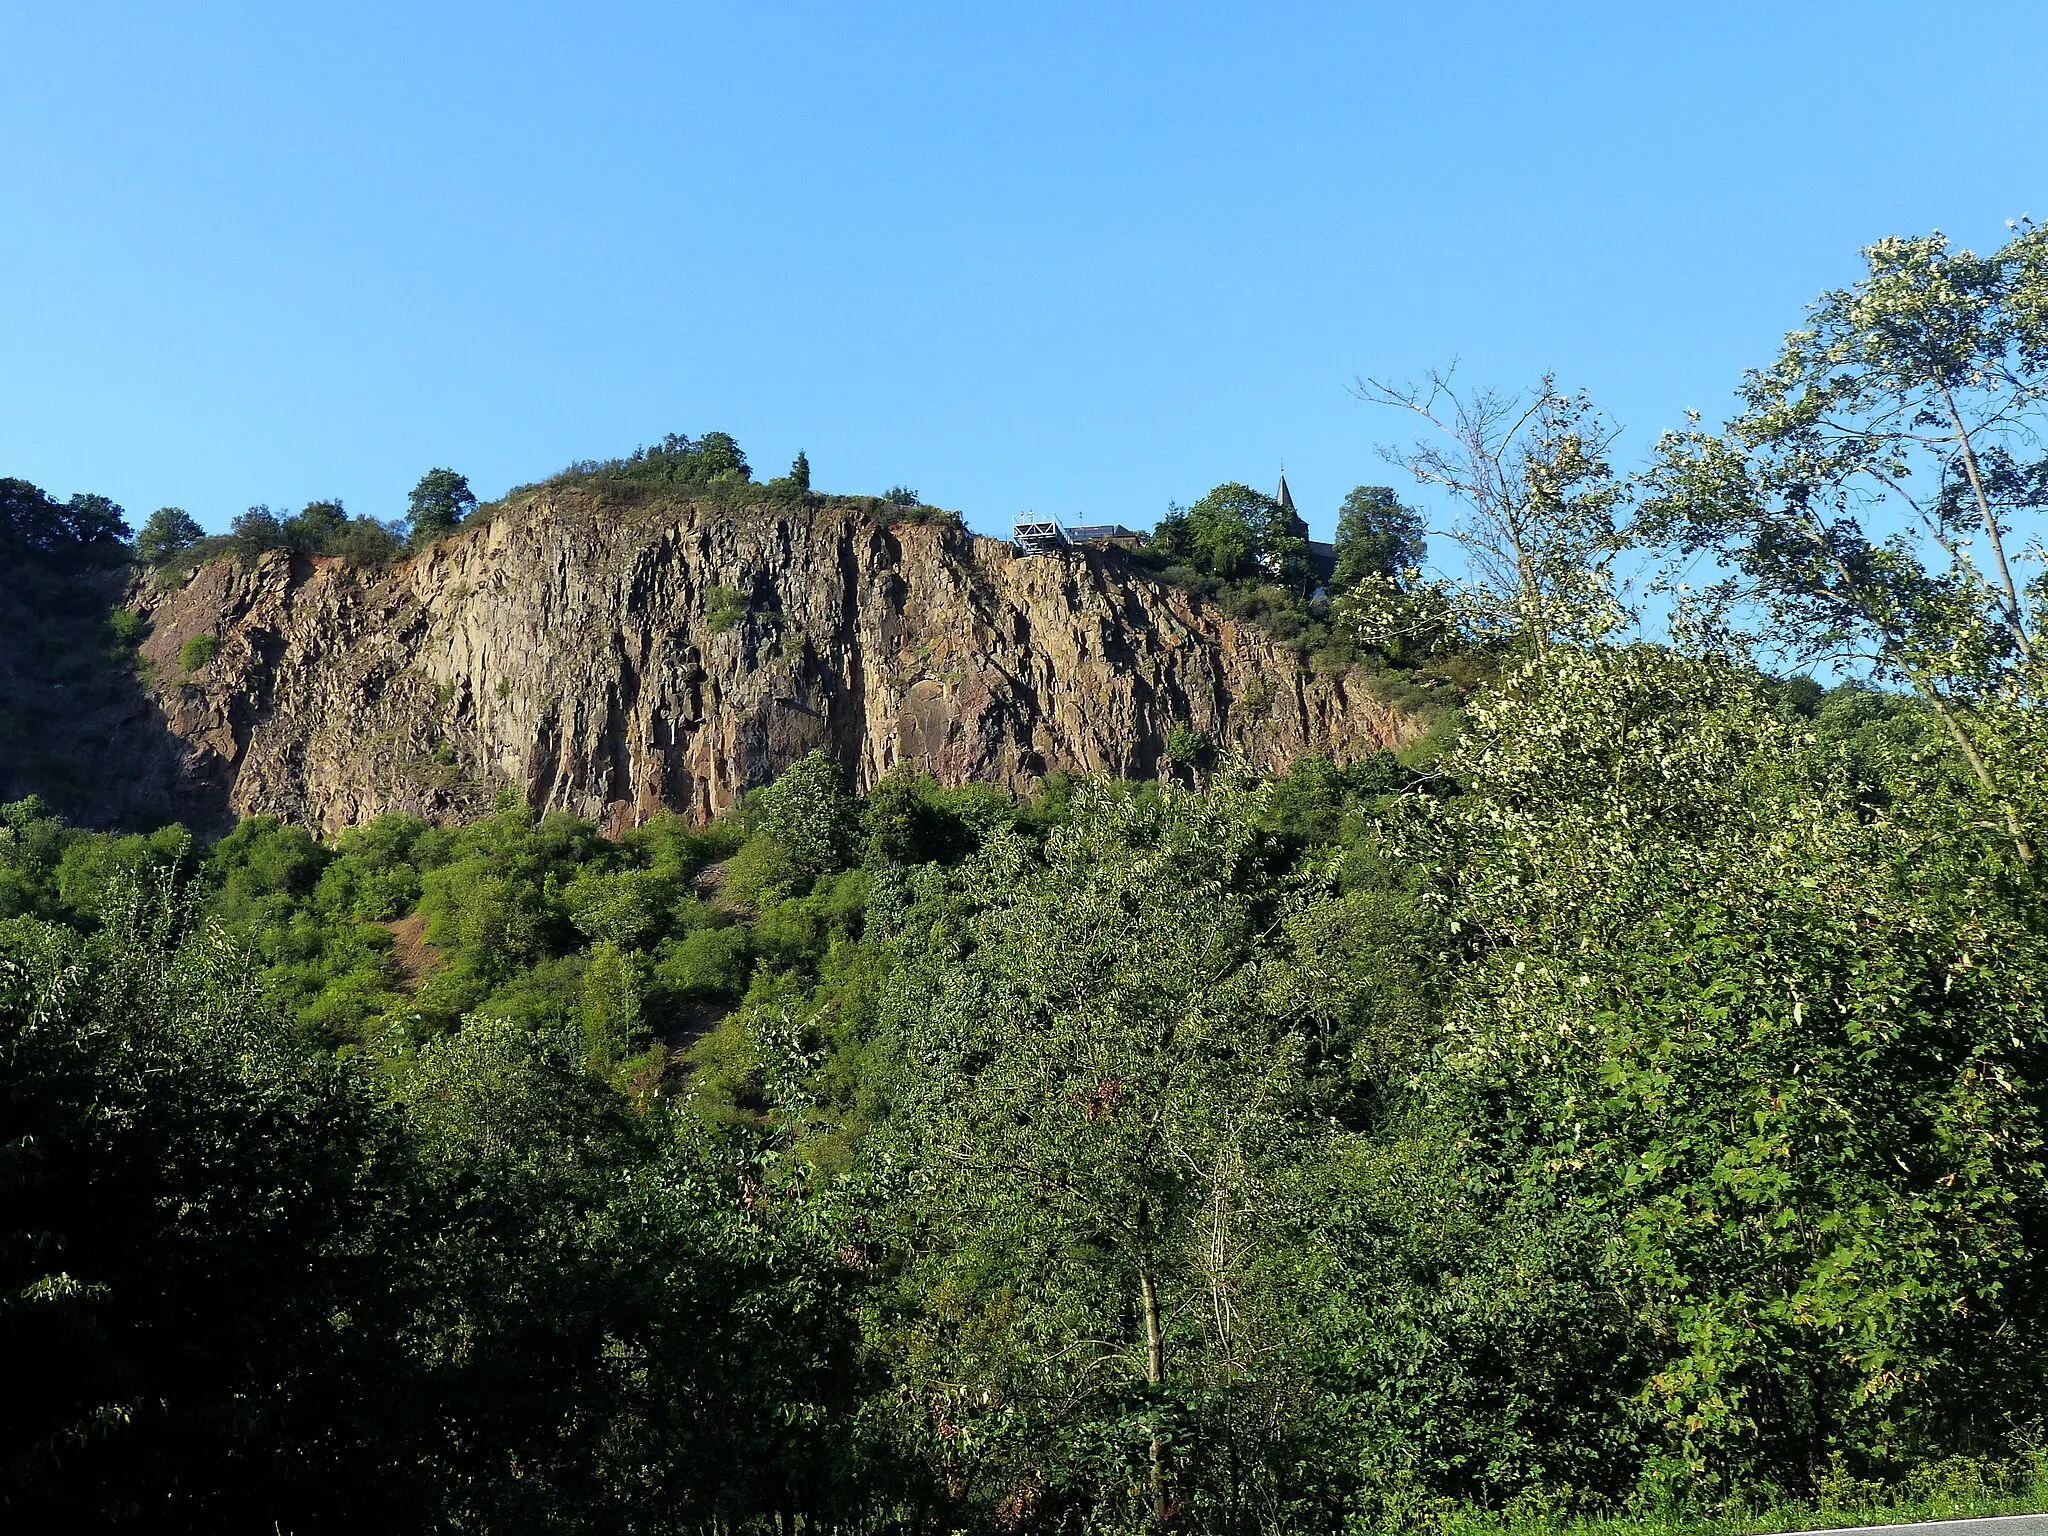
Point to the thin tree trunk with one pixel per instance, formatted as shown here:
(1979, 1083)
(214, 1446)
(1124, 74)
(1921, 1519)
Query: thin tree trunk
(1982, 770)
(1926, 689)
(2012, 595)
(1155, 1376)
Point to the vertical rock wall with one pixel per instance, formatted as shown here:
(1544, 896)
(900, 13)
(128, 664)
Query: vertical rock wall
(597, 660)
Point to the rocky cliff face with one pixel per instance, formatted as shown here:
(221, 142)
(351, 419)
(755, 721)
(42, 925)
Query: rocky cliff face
(612, 663)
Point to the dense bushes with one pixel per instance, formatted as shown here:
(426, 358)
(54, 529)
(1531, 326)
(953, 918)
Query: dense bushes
(714, 469)
(1639, 1110)
(319, 528)
(252, 1286)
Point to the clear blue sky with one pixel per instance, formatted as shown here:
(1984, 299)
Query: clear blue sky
(1080, 258)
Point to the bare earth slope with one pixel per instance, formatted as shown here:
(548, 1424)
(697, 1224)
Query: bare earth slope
(563, 649)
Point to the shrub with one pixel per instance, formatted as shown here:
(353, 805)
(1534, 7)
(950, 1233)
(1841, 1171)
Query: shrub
(709, 963)
(196, 653)
(1185, 744)
(809, 810)
(364, 541)
(320, 528)
(723, 608)
(127, 626)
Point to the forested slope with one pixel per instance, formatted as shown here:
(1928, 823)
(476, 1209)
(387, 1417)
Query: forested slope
(1351, 1144)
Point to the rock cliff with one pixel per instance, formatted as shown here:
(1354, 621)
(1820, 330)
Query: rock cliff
(613, 661)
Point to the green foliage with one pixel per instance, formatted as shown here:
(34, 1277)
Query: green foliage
(126, 626)
(711, 462)
(197, 653)
(724, 607)
(909, 818)
(1625, 1102)
(1185, 745)
(1898, 426)
(365, 542)
(1376, 537)
(32, 520)
(320, 528)
(1745, 1071)
(1101, 1106)
(1251, 556)
(810, 813)
(1538, 499)
(1236, 532)
(436, 507)
(248, 1286)
(167, 533)
(1597, 1120)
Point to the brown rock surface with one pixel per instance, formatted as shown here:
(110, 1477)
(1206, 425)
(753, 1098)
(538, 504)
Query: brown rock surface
(562, 649)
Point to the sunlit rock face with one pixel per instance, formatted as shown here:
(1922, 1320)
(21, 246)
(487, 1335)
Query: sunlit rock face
(614, 662)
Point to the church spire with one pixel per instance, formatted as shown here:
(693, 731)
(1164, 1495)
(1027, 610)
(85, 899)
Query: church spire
(1285, 499)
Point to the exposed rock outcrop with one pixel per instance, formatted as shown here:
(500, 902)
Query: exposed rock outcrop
(613, 662)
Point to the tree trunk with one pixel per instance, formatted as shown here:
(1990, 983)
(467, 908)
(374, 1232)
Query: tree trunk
(1155, 1375)
(2014, 612)
(2022, 844)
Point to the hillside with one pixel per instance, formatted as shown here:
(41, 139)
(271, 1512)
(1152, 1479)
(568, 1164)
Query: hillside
(78, 725)
(612, 656)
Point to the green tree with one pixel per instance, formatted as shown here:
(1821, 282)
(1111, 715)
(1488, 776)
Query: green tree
(1096, 1100)
(1376, 536)
(719, 458)
(437, 506)
(315, 528)
(257, 530)
(1760, 1061)
(1537, 499)
(1228, 528)
(810, 813)
(29, 516)
(800, 471)
(168, 532)
(1899, 426)
(94, 520)
(1171, 538)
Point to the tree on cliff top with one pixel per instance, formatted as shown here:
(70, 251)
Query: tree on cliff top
(169, 532)
(32, 517)
(1376, 536)
(437, 506)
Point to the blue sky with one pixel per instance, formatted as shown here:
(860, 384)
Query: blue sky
(1084, 259)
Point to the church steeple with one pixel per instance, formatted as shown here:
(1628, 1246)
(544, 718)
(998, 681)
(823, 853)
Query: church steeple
(1285, 499)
